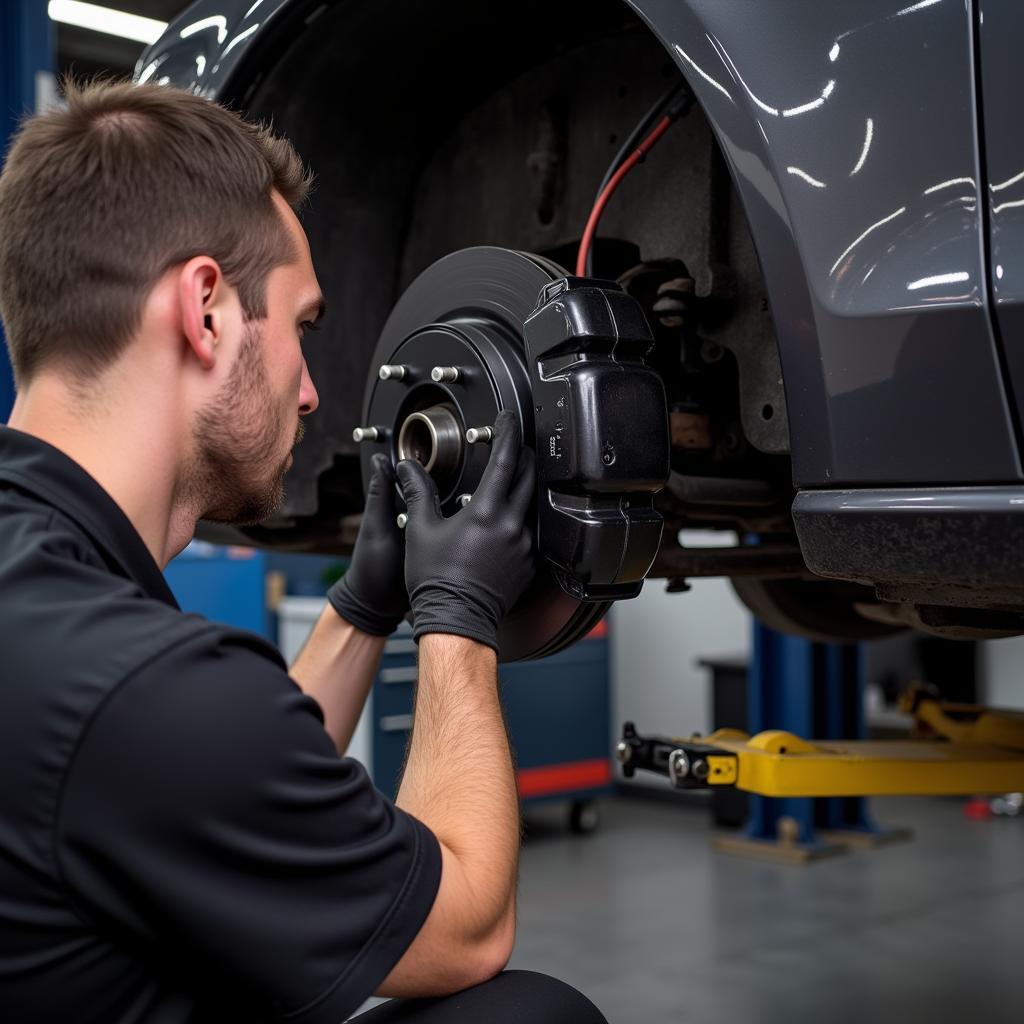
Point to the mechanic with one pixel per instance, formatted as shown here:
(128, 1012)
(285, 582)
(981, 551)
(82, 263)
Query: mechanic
(181, 837)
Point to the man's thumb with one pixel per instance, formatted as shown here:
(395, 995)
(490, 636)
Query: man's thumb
(418, 489)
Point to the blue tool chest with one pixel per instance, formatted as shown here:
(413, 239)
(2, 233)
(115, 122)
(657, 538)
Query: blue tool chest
(558, 712)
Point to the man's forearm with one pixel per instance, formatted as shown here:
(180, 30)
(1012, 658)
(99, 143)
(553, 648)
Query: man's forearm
(459, 777)
(463, 573)
(336, 668)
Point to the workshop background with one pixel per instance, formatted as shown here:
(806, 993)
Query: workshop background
(623, 891)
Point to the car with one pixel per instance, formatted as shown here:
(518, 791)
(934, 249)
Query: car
(797, 321)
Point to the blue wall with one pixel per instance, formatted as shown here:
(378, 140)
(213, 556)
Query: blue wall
(26, 49)
(222, 584)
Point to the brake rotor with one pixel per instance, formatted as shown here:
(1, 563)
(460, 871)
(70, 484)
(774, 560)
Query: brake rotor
(450, 358)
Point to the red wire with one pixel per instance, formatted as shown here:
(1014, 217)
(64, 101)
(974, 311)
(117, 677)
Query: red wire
(602, 200)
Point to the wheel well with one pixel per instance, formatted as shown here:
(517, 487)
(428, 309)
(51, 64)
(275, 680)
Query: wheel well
(426, 137)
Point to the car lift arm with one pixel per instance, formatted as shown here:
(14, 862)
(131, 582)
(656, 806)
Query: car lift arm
(962, 750)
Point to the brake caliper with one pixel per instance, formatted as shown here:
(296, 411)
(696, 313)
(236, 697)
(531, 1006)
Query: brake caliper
(602, 437)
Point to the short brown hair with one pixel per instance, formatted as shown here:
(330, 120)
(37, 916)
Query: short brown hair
(99, 199)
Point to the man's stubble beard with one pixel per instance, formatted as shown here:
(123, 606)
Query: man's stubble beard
(235, 476)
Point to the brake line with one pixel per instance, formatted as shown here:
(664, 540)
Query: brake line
(676, 103)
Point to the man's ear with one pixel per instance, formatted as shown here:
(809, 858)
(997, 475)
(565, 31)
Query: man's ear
(200, 284)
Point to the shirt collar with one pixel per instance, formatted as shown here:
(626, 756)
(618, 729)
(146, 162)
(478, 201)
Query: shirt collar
(46, 472)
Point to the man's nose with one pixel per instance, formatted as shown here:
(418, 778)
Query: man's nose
(308, 398)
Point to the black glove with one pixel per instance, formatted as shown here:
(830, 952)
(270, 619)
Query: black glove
(465, 572)
(372, 595)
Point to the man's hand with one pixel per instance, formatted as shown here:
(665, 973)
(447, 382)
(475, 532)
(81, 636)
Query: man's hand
(340, 659)
(465, 572)
(372, 594)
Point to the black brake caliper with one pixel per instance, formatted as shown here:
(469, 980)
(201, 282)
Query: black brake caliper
(602, 437)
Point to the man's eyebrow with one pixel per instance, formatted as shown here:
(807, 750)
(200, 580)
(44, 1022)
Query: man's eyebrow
(315, 310)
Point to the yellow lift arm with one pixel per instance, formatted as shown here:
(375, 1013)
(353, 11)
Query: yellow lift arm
(958, 749)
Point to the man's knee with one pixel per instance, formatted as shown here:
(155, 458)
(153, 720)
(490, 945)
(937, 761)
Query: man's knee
(544, 1000)
(510, 998)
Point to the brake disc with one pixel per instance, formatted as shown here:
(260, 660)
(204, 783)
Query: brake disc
(487, 329)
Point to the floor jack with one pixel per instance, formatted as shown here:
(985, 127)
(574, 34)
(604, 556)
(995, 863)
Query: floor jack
(954, 749)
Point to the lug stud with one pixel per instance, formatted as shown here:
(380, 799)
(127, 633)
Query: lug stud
(479, 435)
(402, 519)
(393, 372)
(361, 434)
(463, 500)
(444, 374)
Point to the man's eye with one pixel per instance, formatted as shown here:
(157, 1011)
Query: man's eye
(307, 325)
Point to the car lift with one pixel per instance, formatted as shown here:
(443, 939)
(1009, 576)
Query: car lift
(960, 749)
(801, 787)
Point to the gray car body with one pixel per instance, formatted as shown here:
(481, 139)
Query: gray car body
(875, 150)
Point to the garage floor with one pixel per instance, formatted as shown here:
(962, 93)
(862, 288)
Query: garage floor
(653, 926)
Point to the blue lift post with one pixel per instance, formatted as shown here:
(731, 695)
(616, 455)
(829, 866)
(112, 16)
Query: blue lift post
(811, 690)
(26, 52)
(816, 691)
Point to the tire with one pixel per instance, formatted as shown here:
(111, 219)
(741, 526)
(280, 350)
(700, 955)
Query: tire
(824, 612)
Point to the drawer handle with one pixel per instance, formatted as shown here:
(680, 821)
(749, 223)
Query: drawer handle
(396, 723)
(404, 674)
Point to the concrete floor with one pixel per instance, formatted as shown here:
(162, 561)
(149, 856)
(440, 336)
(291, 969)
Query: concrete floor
(644, 918)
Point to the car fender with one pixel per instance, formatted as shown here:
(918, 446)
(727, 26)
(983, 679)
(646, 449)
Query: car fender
(851, 132)
(204, 46)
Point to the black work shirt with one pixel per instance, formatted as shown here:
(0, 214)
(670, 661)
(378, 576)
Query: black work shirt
(179, 840)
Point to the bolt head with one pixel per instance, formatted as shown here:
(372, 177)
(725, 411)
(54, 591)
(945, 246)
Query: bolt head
(678, 766)
(711, 351)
